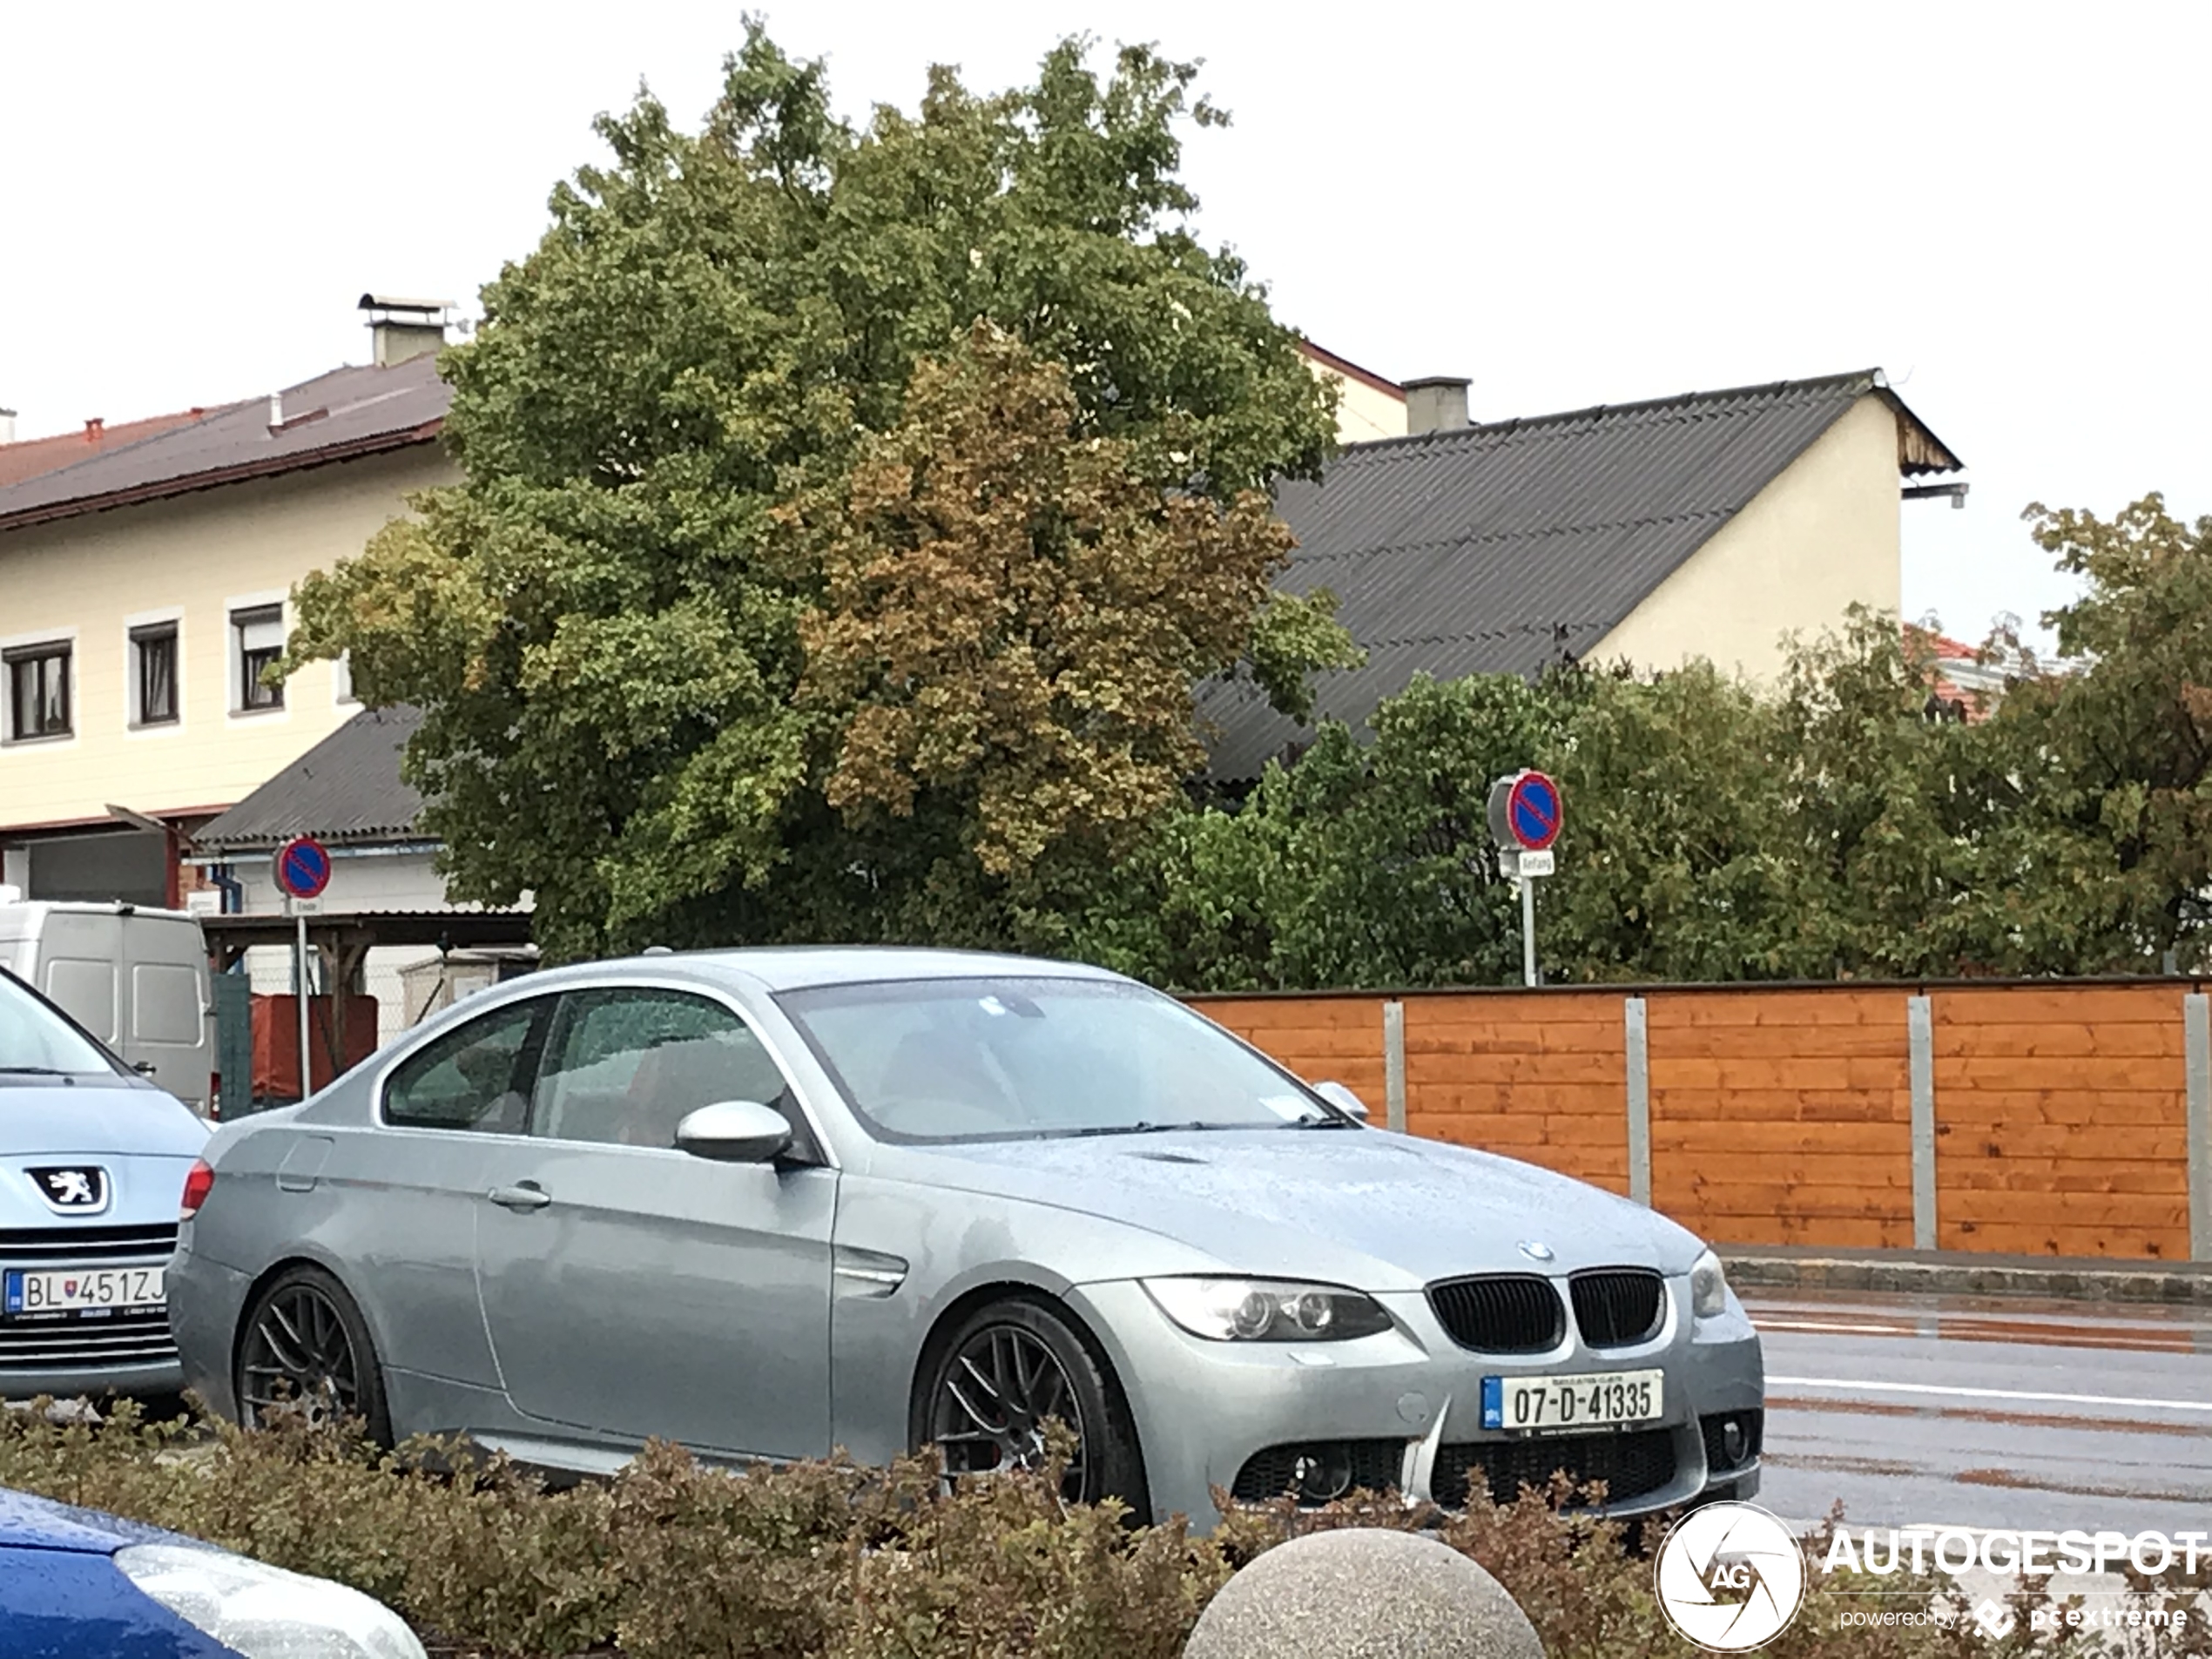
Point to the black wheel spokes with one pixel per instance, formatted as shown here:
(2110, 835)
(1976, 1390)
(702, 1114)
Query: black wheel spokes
(301, 1359)
(1000, 1390)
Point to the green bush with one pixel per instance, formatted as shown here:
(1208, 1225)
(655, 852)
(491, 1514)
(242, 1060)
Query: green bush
(671, 1559)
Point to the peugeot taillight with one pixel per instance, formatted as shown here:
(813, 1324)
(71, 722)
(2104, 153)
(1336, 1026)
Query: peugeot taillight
(199, 1181)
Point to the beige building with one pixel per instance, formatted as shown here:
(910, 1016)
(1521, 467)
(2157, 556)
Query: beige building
(144, 589)
(1368, 406)
(1715, 525)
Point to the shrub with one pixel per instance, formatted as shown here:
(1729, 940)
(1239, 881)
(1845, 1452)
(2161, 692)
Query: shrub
(672, 1560)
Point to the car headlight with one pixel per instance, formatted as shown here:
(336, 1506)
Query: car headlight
(1708, 1287)
(1267, 1310)
(262, 1612)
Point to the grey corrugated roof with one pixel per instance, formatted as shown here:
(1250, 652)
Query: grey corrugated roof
(346, 413)
(1501, 548)
(347, 788)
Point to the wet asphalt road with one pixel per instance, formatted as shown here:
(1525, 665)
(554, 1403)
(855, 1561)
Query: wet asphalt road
(1986, 1412)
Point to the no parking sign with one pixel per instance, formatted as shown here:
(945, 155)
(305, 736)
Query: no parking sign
(1525, 817)
(303, 867)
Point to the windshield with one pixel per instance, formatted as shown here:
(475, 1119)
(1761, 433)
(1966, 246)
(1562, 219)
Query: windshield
(36, 1041)
(1002, 1059)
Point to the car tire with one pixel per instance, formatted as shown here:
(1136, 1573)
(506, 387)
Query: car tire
(304, 1338)
(956, 1398)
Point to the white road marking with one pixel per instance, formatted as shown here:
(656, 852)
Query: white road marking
(1990, 1393)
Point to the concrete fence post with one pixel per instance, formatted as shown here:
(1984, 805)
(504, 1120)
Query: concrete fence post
(2197, 1048)
(1920, 1032)
(1639, 1043)
(1395, 1065)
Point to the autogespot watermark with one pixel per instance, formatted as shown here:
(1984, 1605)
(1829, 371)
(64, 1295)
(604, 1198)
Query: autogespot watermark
(1731, 1577)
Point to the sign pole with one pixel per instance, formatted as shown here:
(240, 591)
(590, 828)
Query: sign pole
(1524, 812)
(302, 870)
(1528, 930)
(305, 1073)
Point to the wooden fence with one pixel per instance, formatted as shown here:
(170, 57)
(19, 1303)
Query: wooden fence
(2061, 1120)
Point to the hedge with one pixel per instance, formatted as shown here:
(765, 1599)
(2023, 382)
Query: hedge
(673, 1560)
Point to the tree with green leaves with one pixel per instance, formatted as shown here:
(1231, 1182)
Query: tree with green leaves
(2112, 759)
(740, 409)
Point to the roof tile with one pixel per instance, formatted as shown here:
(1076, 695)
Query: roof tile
(1503, 548)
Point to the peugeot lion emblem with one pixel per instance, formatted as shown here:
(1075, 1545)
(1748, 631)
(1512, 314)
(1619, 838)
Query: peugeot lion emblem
(74, 1189)
(1535, 1251)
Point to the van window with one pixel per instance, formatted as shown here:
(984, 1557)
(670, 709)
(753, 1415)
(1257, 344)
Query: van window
(165, 1003)
(87, 990)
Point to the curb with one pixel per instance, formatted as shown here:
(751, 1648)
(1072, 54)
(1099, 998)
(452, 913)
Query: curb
(2059, 1280)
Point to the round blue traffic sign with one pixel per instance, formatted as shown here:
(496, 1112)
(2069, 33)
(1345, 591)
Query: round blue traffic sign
(303, 866)
(1532, 808)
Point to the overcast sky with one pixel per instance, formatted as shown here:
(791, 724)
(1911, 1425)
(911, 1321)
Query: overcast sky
(2006, 207)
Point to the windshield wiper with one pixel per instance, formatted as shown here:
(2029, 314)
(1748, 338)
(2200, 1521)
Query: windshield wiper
(1320, 1123)
(35, 1071)
(1138, 1127)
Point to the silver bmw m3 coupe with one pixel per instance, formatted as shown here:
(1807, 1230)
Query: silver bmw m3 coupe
(766, 1204)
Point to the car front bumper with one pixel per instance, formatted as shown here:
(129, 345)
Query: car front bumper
(1402, 1409)
(139, 1378)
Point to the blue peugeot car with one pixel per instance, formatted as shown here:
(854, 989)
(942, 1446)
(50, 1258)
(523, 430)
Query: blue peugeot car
(79, 1584)
(93, 1164)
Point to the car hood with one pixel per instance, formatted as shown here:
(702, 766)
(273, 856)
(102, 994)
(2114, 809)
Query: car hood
(84, 1120)
(29, 1522)
(1375, 1210)
(143, 1138)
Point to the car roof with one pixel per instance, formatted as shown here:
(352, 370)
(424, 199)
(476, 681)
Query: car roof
(793, 967)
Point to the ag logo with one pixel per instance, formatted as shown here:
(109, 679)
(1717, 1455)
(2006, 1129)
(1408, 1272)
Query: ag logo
(79, 1190)
(1731, 1577)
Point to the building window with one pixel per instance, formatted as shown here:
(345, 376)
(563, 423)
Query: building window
(38, 691)
(341, 681)
(154, 683)
(259, 634)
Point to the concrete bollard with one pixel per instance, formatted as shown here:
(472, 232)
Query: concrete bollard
(1364, 1593)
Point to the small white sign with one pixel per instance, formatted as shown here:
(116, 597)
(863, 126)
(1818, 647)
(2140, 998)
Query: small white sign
(1534, 863)
(312, 906)
(205, 901)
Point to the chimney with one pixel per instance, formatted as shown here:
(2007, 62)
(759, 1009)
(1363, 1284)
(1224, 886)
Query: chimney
(1437, 404)
(7, 426)
(404, 328)
(95, 429)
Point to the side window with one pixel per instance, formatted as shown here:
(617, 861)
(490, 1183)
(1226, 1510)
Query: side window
(623, 1068)
(471, 1078)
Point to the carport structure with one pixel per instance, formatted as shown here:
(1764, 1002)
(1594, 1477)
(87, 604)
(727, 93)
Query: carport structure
(385, 899)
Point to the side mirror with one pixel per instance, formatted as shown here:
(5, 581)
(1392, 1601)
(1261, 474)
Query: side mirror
(1338, 1095)
(734, 1131)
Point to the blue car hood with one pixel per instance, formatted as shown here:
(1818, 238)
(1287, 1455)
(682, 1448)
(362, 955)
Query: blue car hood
(144, 1138)
(28, 1523)
(1384, 1211)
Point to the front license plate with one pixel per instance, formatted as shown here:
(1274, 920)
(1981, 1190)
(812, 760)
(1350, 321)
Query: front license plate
(1557, 1405)
(82, 1290)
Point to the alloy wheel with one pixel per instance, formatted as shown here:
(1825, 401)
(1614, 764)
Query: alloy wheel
(994, 1398)
(299, 1357)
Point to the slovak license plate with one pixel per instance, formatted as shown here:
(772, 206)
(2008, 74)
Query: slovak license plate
(1563, 1404)
(24, 1293)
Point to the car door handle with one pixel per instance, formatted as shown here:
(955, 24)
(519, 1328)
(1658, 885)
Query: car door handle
(526, 1195)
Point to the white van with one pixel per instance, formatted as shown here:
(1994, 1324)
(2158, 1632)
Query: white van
(136, 979)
